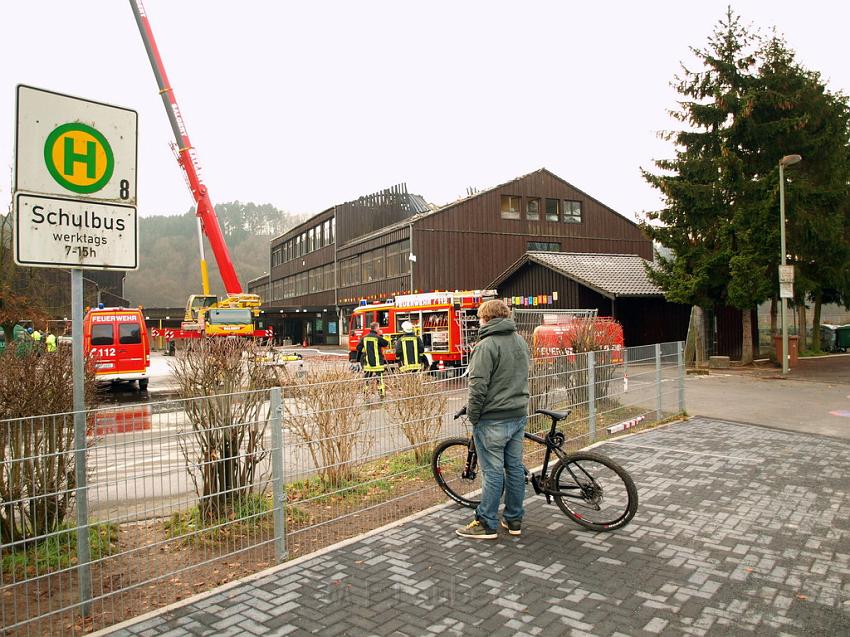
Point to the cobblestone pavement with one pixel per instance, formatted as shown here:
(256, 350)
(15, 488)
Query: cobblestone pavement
(740, 530)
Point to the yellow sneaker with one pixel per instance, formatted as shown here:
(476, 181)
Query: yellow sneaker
(477, 531)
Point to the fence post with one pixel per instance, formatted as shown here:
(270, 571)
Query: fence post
(80, 469)
(680, 359)
(625, 351)
(658, 410)
(279, 497)
(591, 394)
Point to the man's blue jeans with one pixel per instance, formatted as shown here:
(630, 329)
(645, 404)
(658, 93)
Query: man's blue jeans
(499, 447)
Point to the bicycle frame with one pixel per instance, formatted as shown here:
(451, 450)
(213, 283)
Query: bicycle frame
(539, 482)
(590, 479)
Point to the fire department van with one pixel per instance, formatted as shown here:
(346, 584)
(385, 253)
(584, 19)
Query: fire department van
(556, 337)
(116, 339)
(446, 321)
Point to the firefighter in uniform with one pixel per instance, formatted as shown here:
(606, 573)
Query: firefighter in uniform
(409, 350)
(371, 356)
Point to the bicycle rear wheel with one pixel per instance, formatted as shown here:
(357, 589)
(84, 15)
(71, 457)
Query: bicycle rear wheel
(448, 463)
(598, 493)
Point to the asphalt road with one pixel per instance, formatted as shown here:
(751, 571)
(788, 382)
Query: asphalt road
(813, 398)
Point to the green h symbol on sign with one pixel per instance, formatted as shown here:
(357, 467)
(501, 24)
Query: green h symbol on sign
(72, 157)
(77, 143)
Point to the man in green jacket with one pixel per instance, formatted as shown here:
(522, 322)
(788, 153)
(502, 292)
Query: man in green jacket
(497, 407)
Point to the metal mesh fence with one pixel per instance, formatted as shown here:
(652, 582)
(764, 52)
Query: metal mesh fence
(184, 495)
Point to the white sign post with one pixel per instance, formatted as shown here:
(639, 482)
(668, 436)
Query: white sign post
(75, 206)
(786, 281)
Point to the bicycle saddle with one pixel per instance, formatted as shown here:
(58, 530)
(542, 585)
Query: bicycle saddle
(557, 415)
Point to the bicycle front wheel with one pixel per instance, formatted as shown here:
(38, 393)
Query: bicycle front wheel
(449, 464)
(595, 491)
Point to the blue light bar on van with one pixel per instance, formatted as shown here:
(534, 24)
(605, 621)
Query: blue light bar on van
(363, 302)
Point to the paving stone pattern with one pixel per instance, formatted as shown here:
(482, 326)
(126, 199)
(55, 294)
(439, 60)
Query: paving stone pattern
(741, 530)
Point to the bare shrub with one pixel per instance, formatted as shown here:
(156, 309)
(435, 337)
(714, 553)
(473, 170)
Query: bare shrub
(416, 405)
(221, 379)
(324, 408)
(36, 449)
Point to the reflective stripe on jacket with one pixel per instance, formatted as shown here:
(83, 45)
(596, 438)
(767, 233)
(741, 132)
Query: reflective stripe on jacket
(408, 351)
(369, 352)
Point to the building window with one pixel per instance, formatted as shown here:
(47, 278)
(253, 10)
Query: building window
(328, 275)
(316, 276)
(532, 209)
(328, 236)
(397, 259)
(372, 266)
(510, 207)
(333, 229)
(349, 272)
(543, 246)
(572, 211)
(552, 209)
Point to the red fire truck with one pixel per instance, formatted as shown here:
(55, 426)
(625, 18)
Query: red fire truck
(446, 321)
(558, 336)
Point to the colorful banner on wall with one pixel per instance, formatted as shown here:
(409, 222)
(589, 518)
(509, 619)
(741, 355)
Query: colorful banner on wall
(531, 301)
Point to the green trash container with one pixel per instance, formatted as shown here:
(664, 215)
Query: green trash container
(842, 338)
(827, 337)
(18, 331)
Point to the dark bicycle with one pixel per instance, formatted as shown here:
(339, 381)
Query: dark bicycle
(591, 489)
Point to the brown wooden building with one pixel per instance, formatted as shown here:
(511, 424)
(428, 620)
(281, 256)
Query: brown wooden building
(393, 242)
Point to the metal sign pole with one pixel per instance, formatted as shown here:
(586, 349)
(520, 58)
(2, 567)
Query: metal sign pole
(83, 549)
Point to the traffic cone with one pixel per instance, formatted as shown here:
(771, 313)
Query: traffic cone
(304, 344)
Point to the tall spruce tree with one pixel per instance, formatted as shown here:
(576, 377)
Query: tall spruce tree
(792, 111)
(745, 111)
(705, 185)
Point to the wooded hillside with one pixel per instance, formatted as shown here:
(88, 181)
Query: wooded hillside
(169, 268)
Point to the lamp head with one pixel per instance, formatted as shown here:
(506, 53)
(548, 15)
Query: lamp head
(788, 160)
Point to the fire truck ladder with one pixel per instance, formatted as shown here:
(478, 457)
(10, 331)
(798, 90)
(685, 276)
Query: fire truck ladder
(467, 321)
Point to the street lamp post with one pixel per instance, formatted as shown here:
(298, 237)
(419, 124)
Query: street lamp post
(788, 160)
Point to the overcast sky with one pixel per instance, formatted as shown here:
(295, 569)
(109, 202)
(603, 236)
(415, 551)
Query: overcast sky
(308, 104)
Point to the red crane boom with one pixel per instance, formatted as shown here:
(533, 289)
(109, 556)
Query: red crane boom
(187, 159)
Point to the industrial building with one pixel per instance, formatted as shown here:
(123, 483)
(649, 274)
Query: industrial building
(394, 242)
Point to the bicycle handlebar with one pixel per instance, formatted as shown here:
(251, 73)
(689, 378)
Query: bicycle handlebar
(460, 412)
